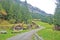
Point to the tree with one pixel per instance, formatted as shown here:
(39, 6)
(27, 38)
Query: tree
(26, 16)
(57, 16)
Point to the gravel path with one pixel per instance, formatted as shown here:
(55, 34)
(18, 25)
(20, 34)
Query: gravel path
(24, 36)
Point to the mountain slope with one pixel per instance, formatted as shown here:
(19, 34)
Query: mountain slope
(38, 13)
(33, 9)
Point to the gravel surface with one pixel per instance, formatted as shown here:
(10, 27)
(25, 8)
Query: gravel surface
(24, 36)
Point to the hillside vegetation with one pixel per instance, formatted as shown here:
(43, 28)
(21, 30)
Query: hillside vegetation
(11, 11)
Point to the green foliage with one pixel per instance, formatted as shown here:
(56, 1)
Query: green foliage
(15, 11)
(26, 16)
(57, 16)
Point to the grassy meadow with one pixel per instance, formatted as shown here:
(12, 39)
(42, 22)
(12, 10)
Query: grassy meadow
(48, 33)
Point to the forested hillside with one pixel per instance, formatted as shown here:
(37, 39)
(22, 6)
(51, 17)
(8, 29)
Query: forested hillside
(11, 10)
(38, 13)
(16, 11)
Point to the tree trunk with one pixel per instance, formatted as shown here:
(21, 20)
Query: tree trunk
(57, 27)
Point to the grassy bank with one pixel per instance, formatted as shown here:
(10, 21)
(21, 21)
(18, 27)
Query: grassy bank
(46, 25)
(48, 33)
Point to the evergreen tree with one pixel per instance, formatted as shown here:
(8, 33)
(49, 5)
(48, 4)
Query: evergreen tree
(57, 16)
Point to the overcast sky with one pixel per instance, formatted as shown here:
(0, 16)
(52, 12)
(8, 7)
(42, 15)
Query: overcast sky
(46, 5)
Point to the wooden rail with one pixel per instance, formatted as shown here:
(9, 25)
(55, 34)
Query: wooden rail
(37, 37)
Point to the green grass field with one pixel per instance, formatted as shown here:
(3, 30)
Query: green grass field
(9, 34)
(48, 33)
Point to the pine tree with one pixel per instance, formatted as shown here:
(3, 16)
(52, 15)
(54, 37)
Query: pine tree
(57, 16)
